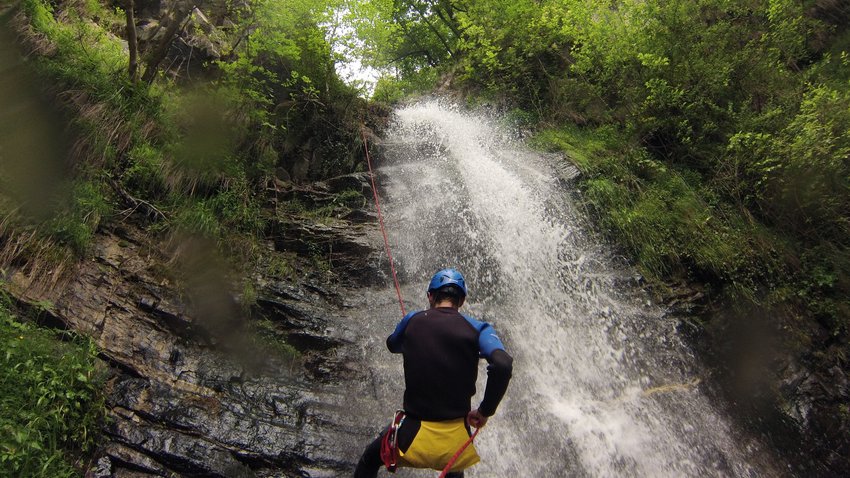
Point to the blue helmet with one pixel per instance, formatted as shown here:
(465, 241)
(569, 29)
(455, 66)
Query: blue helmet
(447, 277)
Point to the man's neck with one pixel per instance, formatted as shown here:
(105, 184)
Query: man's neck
(445, 303)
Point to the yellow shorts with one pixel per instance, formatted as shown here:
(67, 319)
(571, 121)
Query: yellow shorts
(436, 443)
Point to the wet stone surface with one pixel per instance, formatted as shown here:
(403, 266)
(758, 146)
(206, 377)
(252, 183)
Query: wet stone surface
(190, 397)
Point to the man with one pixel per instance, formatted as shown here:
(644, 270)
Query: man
(441, 348)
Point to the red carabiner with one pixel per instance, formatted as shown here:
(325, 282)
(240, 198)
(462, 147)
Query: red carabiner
(389, 445)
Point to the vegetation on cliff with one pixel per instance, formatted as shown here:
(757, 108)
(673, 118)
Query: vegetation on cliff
(188, 120)
(51, 399)
(220, 104)
(714, 138)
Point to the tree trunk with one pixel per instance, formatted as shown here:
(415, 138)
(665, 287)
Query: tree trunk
(132, 42)
(181, 12)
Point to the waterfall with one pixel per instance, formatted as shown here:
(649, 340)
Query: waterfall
(603, 385)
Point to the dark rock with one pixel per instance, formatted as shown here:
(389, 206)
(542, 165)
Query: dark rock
(288, 316)
(149, 31)
(148, 304)
(177, 405)
(360, 216)
(120, 456)
(355, 181)
(102, 469)
(840, 382)
(181, 453)
(346, 247)
(304, 342)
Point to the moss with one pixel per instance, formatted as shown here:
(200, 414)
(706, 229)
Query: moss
(272, 340)
(279, 266)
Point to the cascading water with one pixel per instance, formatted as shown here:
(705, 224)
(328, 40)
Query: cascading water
(602, 385)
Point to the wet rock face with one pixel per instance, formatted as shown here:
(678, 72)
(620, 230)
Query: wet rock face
(769, 382)
(813, 403)
(190, 398)
(344, 237)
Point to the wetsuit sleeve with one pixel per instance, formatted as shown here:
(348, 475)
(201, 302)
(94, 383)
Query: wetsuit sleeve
(488, 341)
(500, 366)
(396, 339)
(499, 373)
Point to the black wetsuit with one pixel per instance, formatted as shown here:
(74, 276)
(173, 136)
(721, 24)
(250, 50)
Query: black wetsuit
(441, 349)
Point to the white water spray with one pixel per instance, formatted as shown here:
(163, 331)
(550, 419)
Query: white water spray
(602, 384)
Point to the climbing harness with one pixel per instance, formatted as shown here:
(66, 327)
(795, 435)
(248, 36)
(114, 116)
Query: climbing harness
(428, 447)
(389, 445)
(381, 221)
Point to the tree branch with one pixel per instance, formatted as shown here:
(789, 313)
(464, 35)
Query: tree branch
(136, 203)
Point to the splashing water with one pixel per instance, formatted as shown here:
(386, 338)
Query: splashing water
(602, 384)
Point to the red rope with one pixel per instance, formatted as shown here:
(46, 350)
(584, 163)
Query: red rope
(381, 220)
(457, 454)
(398, 290)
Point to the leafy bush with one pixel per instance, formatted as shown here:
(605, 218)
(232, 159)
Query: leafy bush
(232, 211)
(807, 168)
(390, 89)
(50, 400)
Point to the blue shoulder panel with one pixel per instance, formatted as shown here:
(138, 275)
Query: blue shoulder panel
(488, 341)
(395, 339)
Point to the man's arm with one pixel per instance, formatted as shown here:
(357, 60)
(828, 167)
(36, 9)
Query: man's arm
(499, 370)
(396, 339)
(498, 376)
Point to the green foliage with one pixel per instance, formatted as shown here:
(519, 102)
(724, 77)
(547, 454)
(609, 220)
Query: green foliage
(807, 166)
(86, 55)
(204, 151)
(198, 218)
(76, 222)
(670, 227)
(50, 400)
(272, 341)
(509, 45)
(249, 296)
(109, 114)
(145, 174)
(334, 207)
(391, 89)
(281, 76)
(237, 207)
(198, 155)
(230, 211)
(350, 198)
(408, 35)
(279, 266)
(320, 258)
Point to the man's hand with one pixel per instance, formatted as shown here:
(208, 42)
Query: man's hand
(476, 419)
